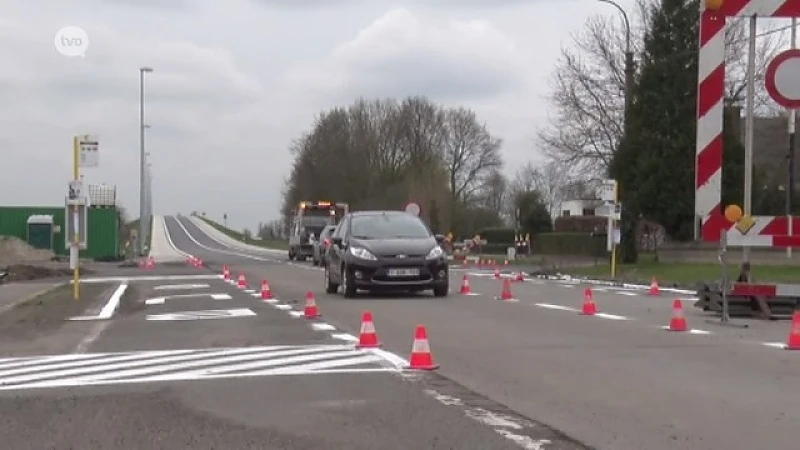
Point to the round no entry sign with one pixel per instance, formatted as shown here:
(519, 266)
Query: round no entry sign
(783, 79)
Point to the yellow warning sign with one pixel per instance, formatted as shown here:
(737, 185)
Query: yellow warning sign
(745, 224)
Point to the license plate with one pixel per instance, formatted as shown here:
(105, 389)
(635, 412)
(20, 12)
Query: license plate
(403, 272)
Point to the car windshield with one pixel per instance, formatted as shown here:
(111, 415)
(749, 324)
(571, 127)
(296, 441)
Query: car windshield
(388, 226)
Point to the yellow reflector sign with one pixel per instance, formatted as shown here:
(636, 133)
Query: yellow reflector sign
(745, 224)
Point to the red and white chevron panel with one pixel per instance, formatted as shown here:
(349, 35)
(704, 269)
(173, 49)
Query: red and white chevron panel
(766, 290)
(710, 95)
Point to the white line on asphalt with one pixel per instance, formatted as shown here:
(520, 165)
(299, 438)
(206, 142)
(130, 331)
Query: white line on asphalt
(779, 345)
(176, 287)
(202, 315)
(109, 308)
(283, 307)
(249, 291)
(344, 337)
(296, 313)
(94, 333)
(322, 327)
(148, 278)
(611, 316)
(690, 331)
(557, 307)
(256, 294)
(221, 296)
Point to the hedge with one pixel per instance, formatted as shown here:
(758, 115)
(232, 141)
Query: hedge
(580, 224)
(498, 235)
(572, 244)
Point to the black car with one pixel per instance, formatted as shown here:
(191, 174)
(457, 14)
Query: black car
(322, 244)
(385, 251)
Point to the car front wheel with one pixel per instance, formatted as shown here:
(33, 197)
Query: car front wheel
(441, 291)
(348, 288)
(330, 287)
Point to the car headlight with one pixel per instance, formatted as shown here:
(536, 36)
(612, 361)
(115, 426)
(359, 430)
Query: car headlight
(362, 253)
(436, 252)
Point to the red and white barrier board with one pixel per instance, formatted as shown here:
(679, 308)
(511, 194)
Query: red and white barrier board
(768, 231)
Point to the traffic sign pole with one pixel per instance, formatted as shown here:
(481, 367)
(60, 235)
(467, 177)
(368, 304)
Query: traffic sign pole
(790, 187)
(74, 249)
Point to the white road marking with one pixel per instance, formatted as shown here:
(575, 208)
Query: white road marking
(567, 286)
(94, 333)
(344, 337)
(249, 291)
(148, 278)
(203, 315)
(283, 307)
(177, 365)
(630, 294)
(162, 300)
(109, 308)
(506, 426)
(779, 345)
(611, 316)
(256, 294)
(322, 327)
(296, 313)
(690, 331)
(557, 307)
(177, 287)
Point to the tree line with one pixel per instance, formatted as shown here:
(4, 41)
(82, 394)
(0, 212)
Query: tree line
(380, 154)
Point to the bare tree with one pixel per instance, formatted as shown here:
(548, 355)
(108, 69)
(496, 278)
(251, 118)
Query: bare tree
(470, 153)
(552, 181)
(382, 153)
(588, 87)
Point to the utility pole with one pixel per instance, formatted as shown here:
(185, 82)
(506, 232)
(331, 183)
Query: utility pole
(143, 222)
(791, 155)
(750, 95)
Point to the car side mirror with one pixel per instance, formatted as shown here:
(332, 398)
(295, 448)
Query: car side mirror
(439, 238)
(337, 241)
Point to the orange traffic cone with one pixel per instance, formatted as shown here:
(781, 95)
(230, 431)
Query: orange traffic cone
(151, 263)
(793, 343)
(496, 273)
(678, 320)
(654, 287)
(506, 294)
(589, 306)
(242, 284)
(311, 311)
(421, 356)
(198, 263)
(368, 337)
(466, 289)
(226, 273)
(266, 292)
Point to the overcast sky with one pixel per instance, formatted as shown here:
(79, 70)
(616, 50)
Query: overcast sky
(235, 81)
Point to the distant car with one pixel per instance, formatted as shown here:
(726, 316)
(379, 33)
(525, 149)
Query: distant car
(322, 244)
(385, 251)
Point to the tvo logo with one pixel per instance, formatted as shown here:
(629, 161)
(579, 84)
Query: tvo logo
(71, 41)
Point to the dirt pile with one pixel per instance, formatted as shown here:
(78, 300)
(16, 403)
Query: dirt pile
(16, 251)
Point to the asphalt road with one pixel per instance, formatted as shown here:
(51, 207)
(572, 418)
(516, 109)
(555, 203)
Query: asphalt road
(189, 361)
(613, 381)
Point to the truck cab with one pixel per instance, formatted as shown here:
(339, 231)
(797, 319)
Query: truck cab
(309, 221)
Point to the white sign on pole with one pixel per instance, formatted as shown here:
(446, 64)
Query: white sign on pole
(89, 151)
(75, 190)
(608, 191)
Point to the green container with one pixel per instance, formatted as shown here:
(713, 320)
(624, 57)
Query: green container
(40, 232)
(103, 222)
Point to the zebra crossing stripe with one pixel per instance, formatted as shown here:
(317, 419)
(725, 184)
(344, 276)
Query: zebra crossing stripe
(177, 365)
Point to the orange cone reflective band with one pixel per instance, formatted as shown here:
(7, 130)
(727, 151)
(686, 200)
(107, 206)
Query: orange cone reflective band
(589, 307)
(793, 343)
(421, 356)
(266, 292)
(311, 311)
(678, 320)
(242, 282)
(368, 338)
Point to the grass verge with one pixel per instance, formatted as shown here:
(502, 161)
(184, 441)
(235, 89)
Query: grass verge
(685, 274)
(273, 244)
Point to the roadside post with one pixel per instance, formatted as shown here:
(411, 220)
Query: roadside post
(84, 154)
(612, 210)
(734, 214)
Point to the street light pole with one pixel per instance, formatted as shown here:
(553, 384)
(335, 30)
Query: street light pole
(142, 168)
(629, 65)
(791, 156)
